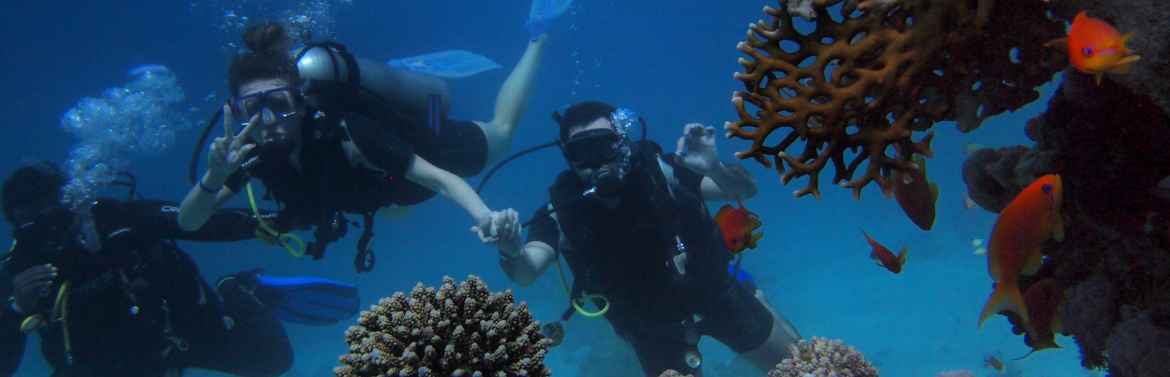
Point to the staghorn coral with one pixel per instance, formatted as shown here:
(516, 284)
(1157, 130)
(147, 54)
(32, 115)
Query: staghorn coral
(821, 357)
(456, 330)
(869, 79)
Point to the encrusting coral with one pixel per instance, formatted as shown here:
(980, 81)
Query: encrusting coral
(459, 329)
(819, 357)
(869, 79)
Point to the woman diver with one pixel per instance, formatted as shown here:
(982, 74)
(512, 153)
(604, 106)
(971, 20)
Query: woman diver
(330, 134)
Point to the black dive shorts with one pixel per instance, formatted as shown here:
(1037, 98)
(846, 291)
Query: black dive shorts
(459, 147)
(732, 315)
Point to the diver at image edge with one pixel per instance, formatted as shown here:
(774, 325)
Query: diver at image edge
(111, 294)
(632, 224)
(330, 134)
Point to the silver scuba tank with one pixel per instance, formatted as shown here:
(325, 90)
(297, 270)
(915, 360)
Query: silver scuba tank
(406, 90)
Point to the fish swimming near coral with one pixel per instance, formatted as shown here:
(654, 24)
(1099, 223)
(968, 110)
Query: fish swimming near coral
(885, 257)
(736, 225)
(1028, 221)
(994, 363)
(916, 195)
(1044, 299)
(1095, 47)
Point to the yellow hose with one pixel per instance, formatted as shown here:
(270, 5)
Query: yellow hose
(573, 300)
(60, 313)
(272, 235)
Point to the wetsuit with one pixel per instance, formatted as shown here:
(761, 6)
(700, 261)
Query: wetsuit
(355, 165)
(139, 306)
(627, 253)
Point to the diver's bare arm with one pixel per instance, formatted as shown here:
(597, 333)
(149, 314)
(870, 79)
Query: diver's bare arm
(450, 185)
(728, 182)
(199, 205)
(529, 264)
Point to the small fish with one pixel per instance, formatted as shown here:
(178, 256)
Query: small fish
(885, 257)
(1031, 219)
(1044, 299)
(978, 247)
(737, 225)
(916, 195)
(993, 362)
(1095, 47)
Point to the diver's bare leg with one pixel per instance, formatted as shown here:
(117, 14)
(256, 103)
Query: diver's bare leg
(512, 101)
(775, 349)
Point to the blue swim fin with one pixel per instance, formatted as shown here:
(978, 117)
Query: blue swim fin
(309, 300)
(544, 12)
(450, 64)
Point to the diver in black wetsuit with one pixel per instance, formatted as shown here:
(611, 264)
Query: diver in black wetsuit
(329, 134)
(111, 295)
(633, 226)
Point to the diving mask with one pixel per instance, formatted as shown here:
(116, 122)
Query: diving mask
(281, 103)
(593, 148)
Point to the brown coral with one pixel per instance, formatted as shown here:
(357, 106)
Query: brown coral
(868, 79)
(821, 357)
(456, 330)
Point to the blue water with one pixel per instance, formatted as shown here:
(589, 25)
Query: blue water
(671, 61)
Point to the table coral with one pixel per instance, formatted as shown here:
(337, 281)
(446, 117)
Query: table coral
(456, 330)
(864, 81)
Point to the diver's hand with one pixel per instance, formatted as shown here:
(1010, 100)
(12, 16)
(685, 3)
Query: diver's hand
(509, 239)
(495, 226)
(696, 149)
(230, 151)
(32, 285)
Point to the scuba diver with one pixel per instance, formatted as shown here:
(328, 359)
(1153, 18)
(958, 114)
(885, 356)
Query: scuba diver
(632, 224)
(111, 294)
(330, 134)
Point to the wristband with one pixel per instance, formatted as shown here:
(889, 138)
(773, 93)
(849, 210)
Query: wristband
(208, 189)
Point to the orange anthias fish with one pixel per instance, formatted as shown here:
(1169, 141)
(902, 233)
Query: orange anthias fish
(1031, 219)
(737, 225)
(916, 195)
(1095, 47)
(1044, 299)
(885, 257)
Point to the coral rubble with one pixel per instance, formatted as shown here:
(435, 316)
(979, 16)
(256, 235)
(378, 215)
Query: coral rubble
(1109, 146)
(869, 79)
(821, 357)
(459, 329)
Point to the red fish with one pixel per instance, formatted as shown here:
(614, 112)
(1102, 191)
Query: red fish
(916, 195)
(1031, 219)
(1044, 299)
(885, 257)
(1095, 47)
(737, 225)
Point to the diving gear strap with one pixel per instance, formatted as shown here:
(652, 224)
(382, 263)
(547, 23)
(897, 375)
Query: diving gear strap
(267, 233)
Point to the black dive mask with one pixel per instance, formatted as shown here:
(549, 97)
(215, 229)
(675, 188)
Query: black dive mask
(593, 148)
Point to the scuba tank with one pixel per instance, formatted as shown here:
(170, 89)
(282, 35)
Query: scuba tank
(407, 91)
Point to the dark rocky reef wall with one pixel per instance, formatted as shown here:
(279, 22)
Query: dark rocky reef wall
(1112, 147)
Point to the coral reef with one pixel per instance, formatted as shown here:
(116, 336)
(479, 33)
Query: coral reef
(869, 79)
(1146, 19)
(1110, 147)
(821, 357)
(995, 175)
(459, 329)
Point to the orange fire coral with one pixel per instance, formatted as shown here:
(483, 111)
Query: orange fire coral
(869, 79)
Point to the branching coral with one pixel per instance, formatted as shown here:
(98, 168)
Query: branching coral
(456, 330)
(869, 79)
(821, 357)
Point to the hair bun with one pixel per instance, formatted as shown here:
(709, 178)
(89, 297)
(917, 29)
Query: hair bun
(267, 37)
